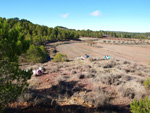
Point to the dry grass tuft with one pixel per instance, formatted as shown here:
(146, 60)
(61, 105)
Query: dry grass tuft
(100, 99)
(132, 90)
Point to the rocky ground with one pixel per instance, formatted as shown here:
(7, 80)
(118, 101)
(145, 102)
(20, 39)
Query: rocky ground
(86, 86)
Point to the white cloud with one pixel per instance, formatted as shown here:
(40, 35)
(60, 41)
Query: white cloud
(96, 13)
(65, 15)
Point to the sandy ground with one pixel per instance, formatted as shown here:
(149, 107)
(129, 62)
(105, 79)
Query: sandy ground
(134, 53)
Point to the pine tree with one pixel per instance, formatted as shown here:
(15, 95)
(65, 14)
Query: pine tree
(12, 44)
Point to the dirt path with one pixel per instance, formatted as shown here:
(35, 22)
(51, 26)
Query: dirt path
(137, 54)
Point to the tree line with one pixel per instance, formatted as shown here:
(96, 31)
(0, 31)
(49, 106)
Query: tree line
(127, 35)
(90, 33)
(38, 34)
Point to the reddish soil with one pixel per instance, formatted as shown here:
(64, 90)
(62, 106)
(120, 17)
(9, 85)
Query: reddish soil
(133, 53)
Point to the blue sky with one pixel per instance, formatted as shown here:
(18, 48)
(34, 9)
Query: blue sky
(112, 15)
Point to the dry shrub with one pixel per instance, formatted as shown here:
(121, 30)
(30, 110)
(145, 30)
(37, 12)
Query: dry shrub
(129, 70)
(73, 72)
(26, 97)
(97, 65)
(132, 89)
(61, 78)
(91, 59)
(87, 66)
(126, 62)
(85, 75)
(43, 100)
(100, 99)
(61, 66)
(139, 73)
(130, 93)
(77, 67)
(110, 79)
(64, 65)
(54, 70)
(85, 72)
(81, 76)
(126, 78)
(110, 64)
(65, 89)
(88, 74)
(141, 81)
(34, 99)
(93, 71)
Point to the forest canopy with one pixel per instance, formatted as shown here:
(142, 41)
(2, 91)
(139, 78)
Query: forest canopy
(38, 34)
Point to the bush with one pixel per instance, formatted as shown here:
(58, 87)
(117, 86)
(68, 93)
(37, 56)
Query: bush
(45, 52)
(60, 58)
(141, 106)
(104, 41)
(147, 83)
(102, 99)
(36, 54)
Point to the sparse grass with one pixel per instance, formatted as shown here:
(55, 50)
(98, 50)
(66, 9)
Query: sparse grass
(132, 90)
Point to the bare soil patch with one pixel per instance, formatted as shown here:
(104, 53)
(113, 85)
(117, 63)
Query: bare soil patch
(133, 53)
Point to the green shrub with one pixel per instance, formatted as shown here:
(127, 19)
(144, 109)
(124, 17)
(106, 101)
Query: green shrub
(147, 83)
(43, 49)
(45, 52)
(104, 41)
(141, 106)
(60, 58)
(36, 54)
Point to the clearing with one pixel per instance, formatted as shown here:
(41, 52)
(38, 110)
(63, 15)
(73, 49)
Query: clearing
(134, 53)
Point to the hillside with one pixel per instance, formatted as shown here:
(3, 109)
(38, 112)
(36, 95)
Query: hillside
(85, 86)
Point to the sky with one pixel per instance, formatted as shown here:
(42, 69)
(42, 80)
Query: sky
(110, 15)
